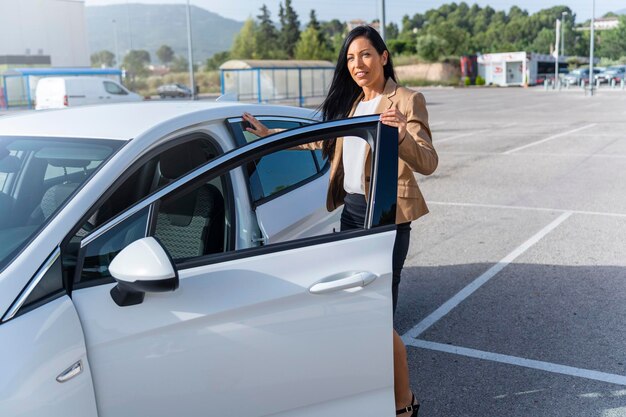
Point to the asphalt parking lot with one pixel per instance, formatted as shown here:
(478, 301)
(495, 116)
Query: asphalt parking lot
(513, 300)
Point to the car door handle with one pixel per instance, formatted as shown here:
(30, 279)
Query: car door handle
(342, 282)
(71, 372)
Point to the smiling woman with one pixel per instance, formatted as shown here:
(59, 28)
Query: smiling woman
(37, 176)
(364, 83)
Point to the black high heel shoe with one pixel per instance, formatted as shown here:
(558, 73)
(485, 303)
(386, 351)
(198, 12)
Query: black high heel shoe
(413, 408)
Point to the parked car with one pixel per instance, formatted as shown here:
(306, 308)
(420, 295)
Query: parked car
(173, 90)
(158, 260)
(615, 72)
(61, 92)
(575, 77)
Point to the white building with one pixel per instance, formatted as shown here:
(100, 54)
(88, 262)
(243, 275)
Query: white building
(517, 68)
(31, 30)
(606, 23)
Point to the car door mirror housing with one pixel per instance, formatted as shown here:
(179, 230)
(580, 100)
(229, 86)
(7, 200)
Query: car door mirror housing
(143, 266)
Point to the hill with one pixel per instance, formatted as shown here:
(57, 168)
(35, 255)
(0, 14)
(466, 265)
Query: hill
(153, 25)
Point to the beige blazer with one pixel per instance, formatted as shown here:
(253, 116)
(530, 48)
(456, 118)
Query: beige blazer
(415, 150)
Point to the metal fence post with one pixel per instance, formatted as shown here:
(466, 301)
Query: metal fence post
(258, 81)
(300, 87)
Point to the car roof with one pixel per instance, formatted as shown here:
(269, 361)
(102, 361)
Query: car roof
(125, 121)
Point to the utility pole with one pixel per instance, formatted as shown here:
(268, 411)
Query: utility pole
(117, 51)
(556, 54)
(591, 46)
(192, 82)
(563, 14)
(130, 29)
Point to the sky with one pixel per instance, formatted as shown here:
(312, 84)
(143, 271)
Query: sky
(346, 10)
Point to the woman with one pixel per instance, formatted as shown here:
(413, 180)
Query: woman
(364, 83)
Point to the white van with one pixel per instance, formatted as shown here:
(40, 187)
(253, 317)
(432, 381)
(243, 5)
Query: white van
(61, 92)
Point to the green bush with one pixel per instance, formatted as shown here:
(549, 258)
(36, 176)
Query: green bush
(430, 47)
(467, 81)
(480, 80)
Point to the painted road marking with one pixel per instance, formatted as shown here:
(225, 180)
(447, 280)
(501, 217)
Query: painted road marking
(503, 206)
(549, 138)
(481, 280)
(517, 361)
(462, 135)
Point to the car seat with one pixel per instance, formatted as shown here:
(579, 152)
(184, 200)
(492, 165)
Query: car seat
(58, 193)
(192, 224)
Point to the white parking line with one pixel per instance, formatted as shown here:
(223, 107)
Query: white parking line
(549, 138)
(514, 360)
(503, 206)
(527, 154)
(462, 135)
(481, 280)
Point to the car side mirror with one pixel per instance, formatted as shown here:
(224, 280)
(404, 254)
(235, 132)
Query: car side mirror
(141, 267)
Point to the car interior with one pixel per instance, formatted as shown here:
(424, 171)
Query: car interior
(188, 225)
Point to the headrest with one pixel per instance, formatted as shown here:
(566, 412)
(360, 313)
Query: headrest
(181, 159)
(69, 163)
(9, 164)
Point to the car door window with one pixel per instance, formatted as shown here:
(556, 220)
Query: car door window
(278, 172)
(113, 88)
(149, 176)
(282, 171)
(97, 251)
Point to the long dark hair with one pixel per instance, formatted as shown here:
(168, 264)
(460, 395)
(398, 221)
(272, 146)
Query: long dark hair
(343, 90)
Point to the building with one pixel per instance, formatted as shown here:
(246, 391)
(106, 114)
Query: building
(606, 23)
(602, 23)
(43, 33)
(518, 68)
(360, 22)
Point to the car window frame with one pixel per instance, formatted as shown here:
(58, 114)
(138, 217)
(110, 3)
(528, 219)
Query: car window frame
(238, 157)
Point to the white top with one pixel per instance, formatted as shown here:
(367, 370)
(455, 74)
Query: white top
(355, 150)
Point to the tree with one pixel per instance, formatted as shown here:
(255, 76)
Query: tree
(216, 60)
(135, 63)
(180, 64)
(430, 47)
(612, 43)
(322, 40)
(309, 45)
(266, 37)
(392, 31)
(289, 29)
(103, 59)
(244, 45)
(335, 32)
(165, 54)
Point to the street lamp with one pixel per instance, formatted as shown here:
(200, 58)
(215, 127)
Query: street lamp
(190, 53)
(591, 45)
(563, 14)
(556, 55)
(382, 20)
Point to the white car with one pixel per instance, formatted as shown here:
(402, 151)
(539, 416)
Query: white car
(155, 260)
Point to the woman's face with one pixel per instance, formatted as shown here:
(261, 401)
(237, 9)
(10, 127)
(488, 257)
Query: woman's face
(365, 63)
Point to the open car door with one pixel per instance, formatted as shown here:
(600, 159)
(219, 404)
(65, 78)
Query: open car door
(297, 328)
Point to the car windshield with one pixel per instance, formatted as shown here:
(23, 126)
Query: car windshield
(37, 176)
